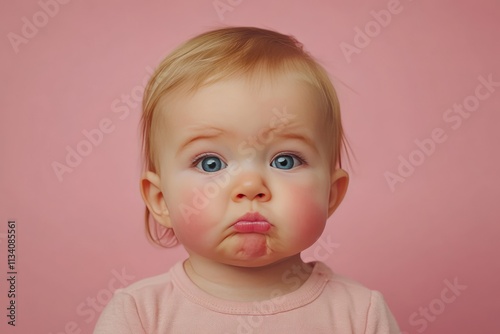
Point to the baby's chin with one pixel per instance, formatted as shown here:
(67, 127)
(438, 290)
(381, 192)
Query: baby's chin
(252, 250)
(251, 246)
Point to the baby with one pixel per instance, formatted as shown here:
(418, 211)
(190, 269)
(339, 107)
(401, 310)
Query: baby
(242, 139)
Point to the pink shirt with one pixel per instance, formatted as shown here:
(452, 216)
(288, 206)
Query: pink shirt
(172, 303)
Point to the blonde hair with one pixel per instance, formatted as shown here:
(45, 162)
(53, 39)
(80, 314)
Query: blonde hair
(225, 53)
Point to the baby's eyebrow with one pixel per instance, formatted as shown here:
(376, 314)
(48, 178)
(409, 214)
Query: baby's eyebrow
(213, 132)
(298, 136)
(200, 133)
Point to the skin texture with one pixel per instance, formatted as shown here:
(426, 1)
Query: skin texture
(244, 129)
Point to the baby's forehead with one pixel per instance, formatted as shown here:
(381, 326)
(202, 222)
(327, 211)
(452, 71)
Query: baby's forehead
(208, 114)
(268, 88)
(230, 98)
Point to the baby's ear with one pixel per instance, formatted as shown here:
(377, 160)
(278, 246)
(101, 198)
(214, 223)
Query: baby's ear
(338, 187)
(153, 198)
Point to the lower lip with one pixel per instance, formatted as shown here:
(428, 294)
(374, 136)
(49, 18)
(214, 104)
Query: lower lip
(252, 227)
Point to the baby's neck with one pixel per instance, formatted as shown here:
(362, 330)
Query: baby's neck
(248, 283)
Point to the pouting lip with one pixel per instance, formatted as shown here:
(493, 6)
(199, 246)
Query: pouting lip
(251, 222)
(251, 217)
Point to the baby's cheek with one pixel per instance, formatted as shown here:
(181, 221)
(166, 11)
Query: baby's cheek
(307, 215)
(186, 214)
(190, 216)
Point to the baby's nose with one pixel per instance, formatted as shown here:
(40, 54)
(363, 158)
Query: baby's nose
(251, 187)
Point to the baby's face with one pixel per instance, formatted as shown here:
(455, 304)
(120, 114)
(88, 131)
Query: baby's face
(233, 149)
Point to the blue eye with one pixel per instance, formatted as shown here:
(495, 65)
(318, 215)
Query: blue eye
(210, 164)
(286, 161)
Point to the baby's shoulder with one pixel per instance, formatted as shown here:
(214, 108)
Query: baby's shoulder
(133, 309)
(149, 288)
(346, 298)
(346, 290)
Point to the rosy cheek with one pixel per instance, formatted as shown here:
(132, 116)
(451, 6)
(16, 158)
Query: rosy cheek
(190, 213)
(308, 215)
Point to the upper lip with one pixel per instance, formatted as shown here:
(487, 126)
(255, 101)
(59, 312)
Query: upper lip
(252, 217)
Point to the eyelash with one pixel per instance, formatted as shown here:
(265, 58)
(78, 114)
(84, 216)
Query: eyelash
(200, 157)
(295, 154)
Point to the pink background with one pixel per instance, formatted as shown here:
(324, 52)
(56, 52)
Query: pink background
(74, 235)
